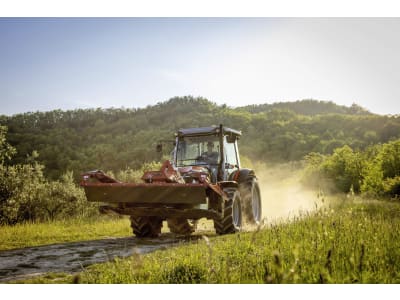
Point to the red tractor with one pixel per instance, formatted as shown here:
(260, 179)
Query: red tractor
(203, 180)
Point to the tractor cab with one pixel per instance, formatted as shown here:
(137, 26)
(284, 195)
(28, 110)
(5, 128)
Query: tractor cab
(212, 150)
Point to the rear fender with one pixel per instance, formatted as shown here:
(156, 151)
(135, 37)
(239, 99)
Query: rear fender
(242, 175)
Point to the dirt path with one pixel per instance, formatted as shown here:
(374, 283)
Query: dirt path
(73, 257)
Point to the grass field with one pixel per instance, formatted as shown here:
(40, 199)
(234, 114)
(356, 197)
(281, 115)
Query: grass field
(350, 242)
(35, 234)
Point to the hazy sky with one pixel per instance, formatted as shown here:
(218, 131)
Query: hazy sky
(49, 64)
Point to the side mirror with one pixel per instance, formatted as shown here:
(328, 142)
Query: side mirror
(159, 148)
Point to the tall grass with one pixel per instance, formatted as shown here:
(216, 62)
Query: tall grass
(350, 243)
(76, 229)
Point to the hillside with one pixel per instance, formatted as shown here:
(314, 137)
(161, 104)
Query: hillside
(112, 139)
(307, 107)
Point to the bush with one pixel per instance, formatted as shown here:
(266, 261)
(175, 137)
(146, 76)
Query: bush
(374, 172)
(373, 179)
(345, 167)
(6, 150)
(390, 159)
(383, 171)
(20, 190)
(25, 195)
(63, 199)
(391, 186)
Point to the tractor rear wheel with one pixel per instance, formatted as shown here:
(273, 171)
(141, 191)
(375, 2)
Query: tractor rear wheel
(250, 191)
(146, 226)
(181, 226)
(231, 220)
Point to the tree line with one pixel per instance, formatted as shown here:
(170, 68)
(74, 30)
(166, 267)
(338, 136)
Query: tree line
(42, 154)
(121, 138)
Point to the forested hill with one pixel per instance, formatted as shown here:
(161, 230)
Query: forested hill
(112, 139)
(308, 107)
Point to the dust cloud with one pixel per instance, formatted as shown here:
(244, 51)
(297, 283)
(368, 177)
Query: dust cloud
(282, 193)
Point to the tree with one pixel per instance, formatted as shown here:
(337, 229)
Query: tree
(382, 172)
(6, 150)
(345, 167)
(21, 188)
(26, 195)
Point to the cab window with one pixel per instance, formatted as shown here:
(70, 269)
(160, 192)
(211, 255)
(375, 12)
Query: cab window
(230, 153)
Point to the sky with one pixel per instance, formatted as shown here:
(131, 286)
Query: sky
(59, 63)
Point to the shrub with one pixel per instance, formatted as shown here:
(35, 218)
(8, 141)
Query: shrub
(63, 199)
(373, 179)
(391, 186)
(20, 189)
(345, 167)
(25, 195)
(390, 159)
(6, 150)
(374, 172)
(382, 171)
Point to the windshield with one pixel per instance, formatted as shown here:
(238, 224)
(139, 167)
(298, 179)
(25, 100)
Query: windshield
(193, 151)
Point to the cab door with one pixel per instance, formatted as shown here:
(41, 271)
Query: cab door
(231, 158)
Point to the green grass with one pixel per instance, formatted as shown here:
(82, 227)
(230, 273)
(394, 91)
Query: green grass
(352, 242)
(35, 234)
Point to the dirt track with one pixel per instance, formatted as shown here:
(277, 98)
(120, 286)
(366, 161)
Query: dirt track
(73, 257)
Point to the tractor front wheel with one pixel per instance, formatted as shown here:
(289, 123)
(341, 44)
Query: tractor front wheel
(231, 219)
(145, 227)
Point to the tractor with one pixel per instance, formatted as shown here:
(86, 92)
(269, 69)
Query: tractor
(202, 179)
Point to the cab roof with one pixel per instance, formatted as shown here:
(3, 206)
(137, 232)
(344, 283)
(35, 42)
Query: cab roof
(207, 131)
